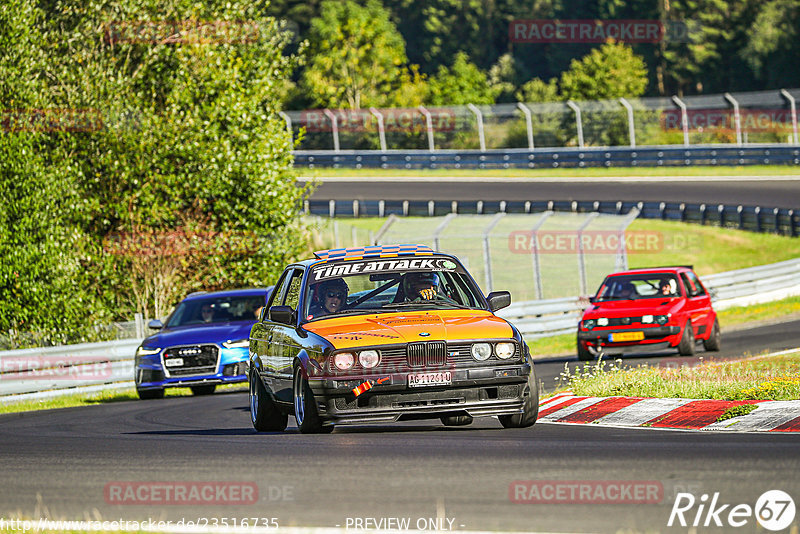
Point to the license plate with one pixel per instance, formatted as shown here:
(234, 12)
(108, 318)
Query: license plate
(626, 336)
(444, 378)
(173, 362)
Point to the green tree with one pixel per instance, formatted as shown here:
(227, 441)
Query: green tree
(463, 83)
(774, 43)
(357, 56)
(611, 71)
(537, 90)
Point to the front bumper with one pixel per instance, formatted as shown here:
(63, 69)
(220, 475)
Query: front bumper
(655, 335)
(485, 391)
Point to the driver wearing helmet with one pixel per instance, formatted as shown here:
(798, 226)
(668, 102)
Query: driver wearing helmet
(420, 286)
(330, 296)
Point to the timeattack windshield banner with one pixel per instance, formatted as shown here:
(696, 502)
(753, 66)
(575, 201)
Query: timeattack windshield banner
(382, 265)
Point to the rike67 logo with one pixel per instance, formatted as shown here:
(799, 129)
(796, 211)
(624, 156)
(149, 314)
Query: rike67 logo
(774, 510)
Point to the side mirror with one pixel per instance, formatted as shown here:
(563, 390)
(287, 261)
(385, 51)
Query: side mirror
(155, 324)
(282, 314)
(592, 299)
(498, 300)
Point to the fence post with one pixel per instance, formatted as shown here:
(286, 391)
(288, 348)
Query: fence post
(684, 119)
(428, 126)
(578, 122)
(537, 271)
(385, 228)
(381, 130)
(737, 120)
(631, 126)
(139, 321)
(288, 121)
(793, 107)
(528, 122)
(487, 260)
(440, 229)
(581, 256)
(334, 128)
(479, 117)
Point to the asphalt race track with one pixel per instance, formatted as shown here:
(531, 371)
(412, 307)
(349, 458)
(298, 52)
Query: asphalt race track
(59, 464)
(772, 193)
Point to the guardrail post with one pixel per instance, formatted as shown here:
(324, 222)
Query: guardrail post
(792, 224)
(332, 208)
(684, 119)
(288, 121)
(740, 212)
(758, 218)
(737, 119)
(578, 122)
(528, 122)
(487, 259)
(703, 211)
(381, 208)
(334, 128)
(581, 256)
(721, 210)
(479, 117)
(777, 213)
(381, 130)
(440, 229)
(355, 209)
(405, 208)
(631, 126)
(431, 208)
(793, 107)
(537, 270)
(428, 126)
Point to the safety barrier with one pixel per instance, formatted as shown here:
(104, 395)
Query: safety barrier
(752, 218)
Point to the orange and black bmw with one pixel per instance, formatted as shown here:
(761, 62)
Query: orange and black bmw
(382, 334)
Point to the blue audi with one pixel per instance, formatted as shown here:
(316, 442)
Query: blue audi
(204, 342)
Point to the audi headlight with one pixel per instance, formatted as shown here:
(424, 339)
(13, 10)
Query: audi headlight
(647, 319)
(239, 343)
(143, 351)
(344, 360)
(588, 324)
(662, 319)
(368, 358)
(481, 351)
(504, 350)
(602, 321)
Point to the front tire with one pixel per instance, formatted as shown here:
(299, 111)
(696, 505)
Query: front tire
(203, 390)
(530, 409)
(713, 343)
(686, 346)
(305, 407)
(264, 415)
(583, 353)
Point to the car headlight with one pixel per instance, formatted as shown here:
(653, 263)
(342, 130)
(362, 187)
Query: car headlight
(239, 343)
(368, 358)
(588, 324)
(504, 350)
(647, 319)
(481, 351)
(662, 319)
(344, 360)
(143, 351)
(602, 321)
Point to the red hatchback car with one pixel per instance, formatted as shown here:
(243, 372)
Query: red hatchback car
(648, 309)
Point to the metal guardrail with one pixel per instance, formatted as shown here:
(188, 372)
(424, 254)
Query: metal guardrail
(754, 285)
(62, 368)
(539, 158)
(752, 218)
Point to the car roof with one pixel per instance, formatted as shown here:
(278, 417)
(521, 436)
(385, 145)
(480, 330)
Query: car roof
(674, 269)
(373, 251)
(245, 292)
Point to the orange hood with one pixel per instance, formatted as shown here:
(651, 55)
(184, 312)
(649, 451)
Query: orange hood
(388, 329)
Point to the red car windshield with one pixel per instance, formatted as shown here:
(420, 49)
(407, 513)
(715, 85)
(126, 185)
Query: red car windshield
(639, 286)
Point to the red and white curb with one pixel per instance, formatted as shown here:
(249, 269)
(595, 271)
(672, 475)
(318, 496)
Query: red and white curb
(689, 414)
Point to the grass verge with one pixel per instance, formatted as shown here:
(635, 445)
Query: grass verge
(99, 397)
(774, 377)
(588, 172)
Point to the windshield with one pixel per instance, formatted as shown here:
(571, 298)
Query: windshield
(216, 310)
(382, 286)
(638, 286)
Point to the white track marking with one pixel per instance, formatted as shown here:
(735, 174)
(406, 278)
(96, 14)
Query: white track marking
(641, 412)
(568, 410)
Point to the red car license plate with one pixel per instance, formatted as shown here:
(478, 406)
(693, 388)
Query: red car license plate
(443, 378)
(626, 336)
